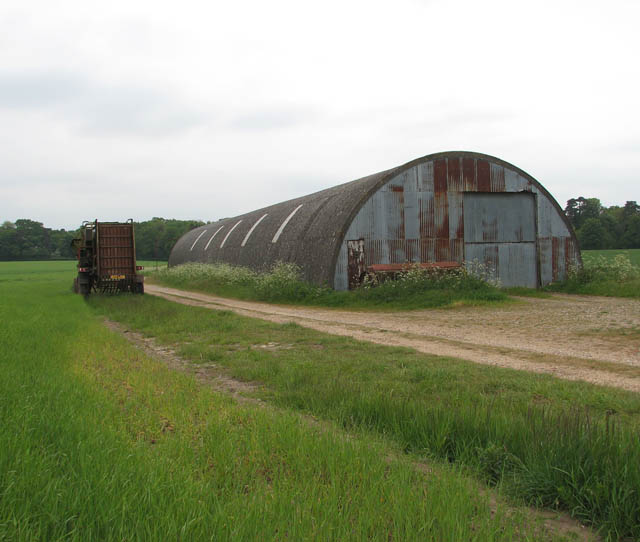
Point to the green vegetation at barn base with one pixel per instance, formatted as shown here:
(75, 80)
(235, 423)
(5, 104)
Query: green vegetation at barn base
(546, 441)
(100, 442)
(608, 273)
(415, 288)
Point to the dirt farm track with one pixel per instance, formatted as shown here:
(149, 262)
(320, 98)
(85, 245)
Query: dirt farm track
(595, 339)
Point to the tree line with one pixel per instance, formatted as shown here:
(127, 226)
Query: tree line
(27, 239)
(600, 227)
(597, 227)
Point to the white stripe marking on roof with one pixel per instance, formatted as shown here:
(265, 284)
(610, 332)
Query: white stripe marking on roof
(246, 237)
(229, 233)
(211, 238)
(198, 239)
(284, 224)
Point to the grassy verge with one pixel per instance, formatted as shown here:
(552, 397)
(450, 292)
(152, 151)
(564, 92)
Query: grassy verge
(98, 442)
(414, 289)
(602, 275)
(549, 442)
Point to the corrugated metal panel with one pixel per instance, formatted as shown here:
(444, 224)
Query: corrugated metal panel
(484, 176)
(499, 231)
(502, 217)
(469, 174)
(502, 220)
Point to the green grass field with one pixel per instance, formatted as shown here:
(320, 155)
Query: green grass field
(546, 441)
(100, 442)
(632, 253)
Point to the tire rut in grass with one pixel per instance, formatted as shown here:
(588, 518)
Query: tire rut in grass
(211, 374)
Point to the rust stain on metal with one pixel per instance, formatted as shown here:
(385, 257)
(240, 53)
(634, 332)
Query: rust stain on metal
(440, 176)
(497, 179)
(454, 175)
(396, 188)
(396, 267)
(460, 228)
(427, 218)
(441, 204)
(484, 176)
(490, 230)
(469, 175)
(427, 250)
(399, 205)
(442, 250)
(115, 249)
(567, 253)
(491, 256)
(555, 256)
(456, 249)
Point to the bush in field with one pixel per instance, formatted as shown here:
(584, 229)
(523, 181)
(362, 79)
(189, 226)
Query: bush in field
(412, 288)
(284, 283)
(619, 269)
(603, 276)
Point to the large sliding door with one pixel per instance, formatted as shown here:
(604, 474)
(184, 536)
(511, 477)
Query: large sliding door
(500, 231)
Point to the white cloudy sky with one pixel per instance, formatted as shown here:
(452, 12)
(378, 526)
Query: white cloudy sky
(209, 109)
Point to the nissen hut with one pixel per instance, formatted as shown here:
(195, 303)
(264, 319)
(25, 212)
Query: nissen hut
(442, 208)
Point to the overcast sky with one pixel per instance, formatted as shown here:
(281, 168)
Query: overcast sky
(210, 109)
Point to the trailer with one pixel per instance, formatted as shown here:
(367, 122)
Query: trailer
(106, 253)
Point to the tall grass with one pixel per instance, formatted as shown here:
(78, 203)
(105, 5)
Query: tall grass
(99, 442)
(601, 275)
(554, 443)
(413, 288)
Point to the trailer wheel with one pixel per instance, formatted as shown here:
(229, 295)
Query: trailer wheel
(140, 288)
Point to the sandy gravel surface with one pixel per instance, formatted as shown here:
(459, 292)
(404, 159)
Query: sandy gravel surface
(595, 339)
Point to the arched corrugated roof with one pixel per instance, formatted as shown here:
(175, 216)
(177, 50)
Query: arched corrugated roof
(307, 231)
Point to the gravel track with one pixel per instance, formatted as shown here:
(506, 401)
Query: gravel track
(594, 339)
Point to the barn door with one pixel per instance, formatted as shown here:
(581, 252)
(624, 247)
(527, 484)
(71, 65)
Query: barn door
(356, 269)
(500, 231)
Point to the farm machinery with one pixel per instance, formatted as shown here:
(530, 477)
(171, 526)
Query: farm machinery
(106, 253)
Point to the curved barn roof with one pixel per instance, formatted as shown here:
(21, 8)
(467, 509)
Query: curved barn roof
(308, 230)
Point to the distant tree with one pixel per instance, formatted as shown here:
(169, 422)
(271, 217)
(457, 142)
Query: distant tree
(629, 216)
(34, 239)
(631, 237)
(155, 238)
(578, 210)
(9, 243)
(592, 235)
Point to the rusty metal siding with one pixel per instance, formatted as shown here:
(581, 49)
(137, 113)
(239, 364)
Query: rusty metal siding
(413, 213)
(116, 252)
(509, 242)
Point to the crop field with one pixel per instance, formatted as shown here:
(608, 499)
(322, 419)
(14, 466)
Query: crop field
(265, 431)
(632, 253)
